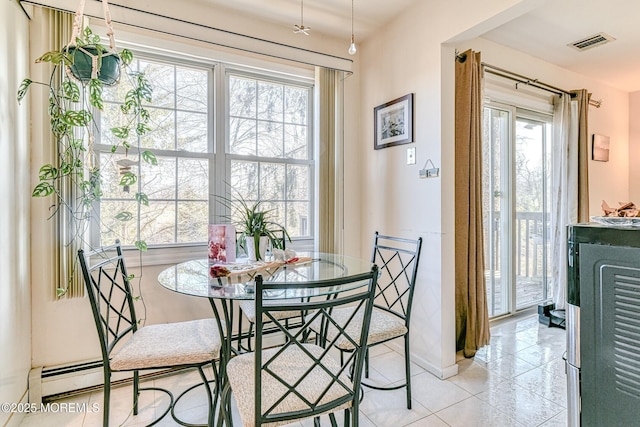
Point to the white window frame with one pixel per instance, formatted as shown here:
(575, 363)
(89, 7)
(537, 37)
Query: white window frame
(218, 152)
(525, 110)
(301, 243)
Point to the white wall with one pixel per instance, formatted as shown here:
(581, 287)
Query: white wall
(15, 292)
(407, 57)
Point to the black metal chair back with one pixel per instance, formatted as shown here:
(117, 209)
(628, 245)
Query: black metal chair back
(109, 291)
(309, 380)
(398, 260)
(125, 347)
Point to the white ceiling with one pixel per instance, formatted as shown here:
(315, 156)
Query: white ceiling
(546, 31)
(332, 17)
(543, 32)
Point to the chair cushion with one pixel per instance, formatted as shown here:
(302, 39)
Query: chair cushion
(248, 307)
(291, 365)
(383, 327)
(169, 344)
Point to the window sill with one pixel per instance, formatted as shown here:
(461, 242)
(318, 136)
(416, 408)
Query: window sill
(164, 255)
(174, 254)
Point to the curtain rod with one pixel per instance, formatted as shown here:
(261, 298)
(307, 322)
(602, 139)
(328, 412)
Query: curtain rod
(207, 34)
(501, 72)
(19, 3)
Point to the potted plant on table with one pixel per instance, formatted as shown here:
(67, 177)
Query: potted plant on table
(255, 226)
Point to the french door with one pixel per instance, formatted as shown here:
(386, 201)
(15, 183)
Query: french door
(516, 185)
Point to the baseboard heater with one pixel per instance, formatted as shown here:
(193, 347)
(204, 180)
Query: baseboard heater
(79, 367)
(56, 382)
(69, 380)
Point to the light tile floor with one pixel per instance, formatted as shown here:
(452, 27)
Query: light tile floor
(518, 380)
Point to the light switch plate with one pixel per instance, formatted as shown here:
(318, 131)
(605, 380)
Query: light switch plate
(411, 156)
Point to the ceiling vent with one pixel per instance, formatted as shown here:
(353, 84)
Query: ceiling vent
(593, 41)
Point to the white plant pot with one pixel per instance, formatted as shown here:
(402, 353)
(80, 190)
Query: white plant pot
(251, 251)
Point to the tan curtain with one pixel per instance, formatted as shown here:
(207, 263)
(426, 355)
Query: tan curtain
(582, 98)
(52, 30)
(472, 318)
(329, 125)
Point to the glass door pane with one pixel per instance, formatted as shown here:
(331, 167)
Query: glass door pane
(516, 181)
(496, 210)
(532, 180)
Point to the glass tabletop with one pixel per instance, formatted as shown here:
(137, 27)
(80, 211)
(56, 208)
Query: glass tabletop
(202, 278)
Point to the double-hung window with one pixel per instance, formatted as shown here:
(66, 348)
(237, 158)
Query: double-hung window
(269, 153)
(216, 131)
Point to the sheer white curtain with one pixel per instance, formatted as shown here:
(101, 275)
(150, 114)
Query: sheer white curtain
(564, 190)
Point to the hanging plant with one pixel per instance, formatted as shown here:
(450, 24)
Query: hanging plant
(90, 59)
(80, 71)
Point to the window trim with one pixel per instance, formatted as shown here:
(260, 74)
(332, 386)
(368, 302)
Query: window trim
(517, 111)
(217, 145)
(303, 243)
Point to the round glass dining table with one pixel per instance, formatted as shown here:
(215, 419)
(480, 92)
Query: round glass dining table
(200, 278)
(222, 284)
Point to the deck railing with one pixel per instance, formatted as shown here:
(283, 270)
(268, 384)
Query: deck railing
(530, 234)
(530, 258)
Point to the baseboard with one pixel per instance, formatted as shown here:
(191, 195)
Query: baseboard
(438, 371)
(442, 373)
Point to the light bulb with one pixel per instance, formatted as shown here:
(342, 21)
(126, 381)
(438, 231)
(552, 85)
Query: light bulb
(352, 48)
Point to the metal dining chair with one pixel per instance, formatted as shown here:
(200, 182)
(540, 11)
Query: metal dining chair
(398, 261)
(298, 379)
(128, 347)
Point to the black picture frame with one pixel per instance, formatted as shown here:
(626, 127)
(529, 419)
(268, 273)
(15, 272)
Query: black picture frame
(393, 122)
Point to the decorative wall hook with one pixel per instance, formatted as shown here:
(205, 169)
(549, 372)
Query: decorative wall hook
(431, 172)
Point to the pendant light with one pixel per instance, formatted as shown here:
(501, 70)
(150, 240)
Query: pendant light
(352, 47)
(297, 29)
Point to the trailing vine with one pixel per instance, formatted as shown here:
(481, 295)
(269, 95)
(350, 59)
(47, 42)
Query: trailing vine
(71, 108)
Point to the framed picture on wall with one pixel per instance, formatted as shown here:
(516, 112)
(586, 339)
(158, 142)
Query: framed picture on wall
(393, 122)
(600, 148)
